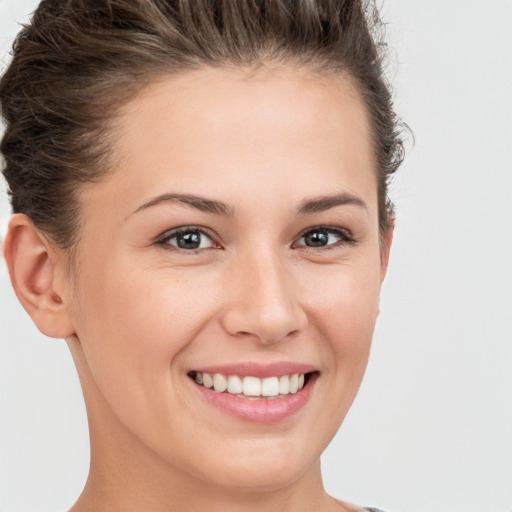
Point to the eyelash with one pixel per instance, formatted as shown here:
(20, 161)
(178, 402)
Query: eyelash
(168, 235)
(345, 238)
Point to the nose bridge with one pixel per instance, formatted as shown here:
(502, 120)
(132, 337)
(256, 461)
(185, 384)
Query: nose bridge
(263, 298)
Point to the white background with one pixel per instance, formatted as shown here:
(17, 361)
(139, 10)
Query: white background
(431, 430)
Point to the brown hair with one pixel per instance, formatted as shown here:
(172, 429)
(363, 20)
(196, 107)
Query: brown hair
(79, 61)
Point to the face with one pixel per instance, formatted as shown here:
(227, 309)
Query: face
(236, 242)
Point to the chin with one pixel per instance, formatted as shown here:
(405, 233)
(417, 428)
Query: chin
(266, 468)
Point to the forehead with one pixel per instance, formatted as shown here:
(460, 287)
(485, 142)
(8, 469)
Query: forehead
(203, 103)
(273, 130)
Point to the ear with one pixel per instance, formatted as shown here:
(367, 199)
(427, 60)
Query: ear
(386, 248)
(32, 263)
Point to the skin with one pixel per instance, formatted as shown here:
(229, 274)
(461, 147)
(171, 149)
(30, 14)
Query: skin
(138, 314)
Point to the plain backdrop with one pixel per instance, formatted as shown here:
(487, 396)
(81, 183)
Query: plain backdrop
(431, 430)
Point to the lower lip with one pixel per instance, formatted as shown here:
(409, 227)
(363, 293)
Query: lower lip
(262, 410)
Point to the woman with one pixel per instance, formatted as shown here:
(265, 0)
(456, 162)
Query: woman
(200, 209)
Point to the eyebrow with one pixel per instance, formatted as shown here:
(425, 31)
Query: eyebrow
(203, 204)
(324, 203)
(200, 203)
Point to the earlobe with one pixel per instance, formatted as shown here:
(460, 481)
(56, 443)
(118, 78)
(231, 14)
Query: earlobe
(32, 266)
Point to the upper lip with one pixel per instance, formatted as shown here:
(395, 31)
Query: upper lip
(260, 370)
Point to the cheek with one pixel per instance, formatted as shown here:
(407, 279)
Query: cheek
(346, 312)
(133, 324)
(346, 307)
(343, 308)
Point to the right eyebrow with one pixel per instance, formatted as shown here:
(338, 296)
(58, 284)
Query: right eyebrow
(200, 203)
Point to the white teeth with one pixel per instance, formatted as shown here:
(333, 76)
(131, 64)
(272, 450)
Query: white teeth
(207, 380)
(235, 385)
(251, 386)
(270, 386)
(220, 383)
(284, 385)
(294, 383)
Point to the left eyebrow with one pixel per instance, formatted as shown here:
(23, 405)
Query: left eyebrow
(321, 204)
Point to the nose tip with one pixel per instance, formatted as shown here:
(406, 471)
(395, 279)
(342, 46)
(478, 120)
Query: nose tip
(264, 305)
(268, 329)
(267, 326)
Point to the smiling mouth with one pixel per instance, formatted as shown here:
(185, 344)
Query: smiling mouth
(253, 388)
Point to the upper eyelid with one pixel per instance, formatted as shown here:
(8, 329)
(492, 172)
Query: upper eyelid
(331, 229)
(180, 229)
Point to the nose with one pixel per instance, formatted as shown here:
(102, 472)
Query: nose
(262, 301)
